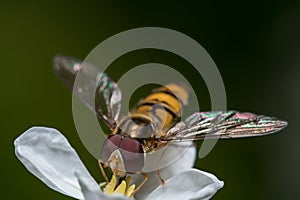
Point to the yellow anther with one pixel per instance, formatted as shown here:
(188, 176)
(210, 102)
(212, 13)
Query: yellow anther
(127, 179)
(121, 188)
(129, 191)
(110, 187)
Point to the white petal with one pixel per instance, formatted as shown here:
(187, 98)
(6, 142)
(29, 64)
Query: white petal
(47, 154)
(191, 184)
(96, 194)
(186, 161)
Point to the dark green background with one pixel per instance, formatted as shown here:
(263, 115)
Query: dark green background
(256, 47)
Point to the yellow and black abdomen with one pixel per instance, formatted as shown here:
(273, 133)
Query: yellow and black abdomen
(163, 105)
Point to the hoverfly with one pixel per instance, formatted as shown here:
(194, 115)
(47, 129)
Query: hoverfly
(152, 123)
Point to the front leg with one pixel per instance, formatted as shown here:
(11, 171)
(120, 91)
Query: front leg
(102, 170)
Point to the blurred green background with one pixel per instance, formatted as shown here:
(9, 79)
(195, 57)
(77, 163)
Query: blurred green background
(256, 46)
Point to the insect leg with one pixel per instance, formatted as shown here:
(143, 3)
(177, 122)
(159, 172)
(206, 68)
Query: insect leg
(142, 183)
(156, 166)
(161, 179)
(102, 171)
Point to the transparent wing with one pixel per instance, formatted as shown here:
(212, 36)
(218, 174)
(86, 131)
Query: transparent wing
(223, 124)
(91, 84)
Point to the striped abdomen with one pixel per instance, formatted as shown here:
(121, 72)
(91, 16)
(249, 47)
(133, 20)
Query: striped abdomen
(163, 106)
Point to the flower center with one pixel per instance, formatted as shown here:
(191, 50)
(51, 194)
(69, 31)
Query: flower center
(123, 188)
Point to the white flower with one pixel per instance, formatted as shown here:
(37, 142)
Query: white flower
(46, 153)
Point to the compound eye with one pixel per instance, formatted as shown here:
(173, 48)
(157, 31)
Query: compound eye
(111, 144)
(133, 155)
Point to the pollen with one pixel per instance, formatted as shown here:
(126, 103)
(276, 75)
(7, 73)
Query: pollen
(123, 188)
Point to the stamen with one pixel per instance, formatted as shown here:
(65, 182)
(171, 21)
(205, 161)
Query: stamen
(129, 188)
(129, 191)
(127, 179)
(123, 188)
(110, 187)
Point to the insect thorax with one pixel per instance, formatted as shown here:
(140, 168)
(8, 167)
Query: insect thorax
(143, 129)
(136, 126)
(154, 115)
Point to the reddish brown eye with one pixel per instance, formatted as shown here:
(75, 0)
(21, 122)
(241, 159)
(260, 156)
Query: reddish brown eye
(110, 145)
(133, 155)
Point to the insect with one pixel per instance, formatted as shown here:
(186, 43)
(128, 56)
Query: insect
(151, 125)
